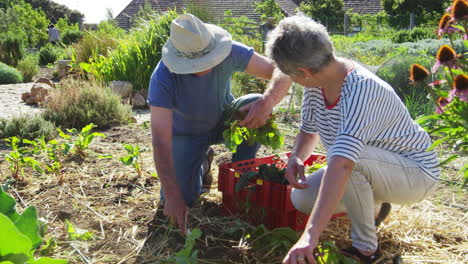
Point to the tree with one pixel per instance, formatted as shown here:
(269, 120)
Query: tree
(395, 7)
(269, 8)
(55, 11)
(19, 19)
(327, 12)
(426, 11)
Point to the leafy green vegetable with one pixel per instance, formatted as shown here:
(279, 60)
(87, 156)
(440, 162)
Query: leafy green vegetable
(328, 253)
(82, 139)
(185, 255)
(77, 234)
(20, 234)
(268, 172)
(18, 158)
(268, 135)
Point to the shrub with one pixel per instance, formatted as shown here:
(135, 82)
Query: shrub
(92, 45)
(413, 35)
(47, 54)
(28, 67)
(27, 127)
(9, 75)
(396, 72)
(135, 58)
(71, 36)
(77, 103)
(11, 50)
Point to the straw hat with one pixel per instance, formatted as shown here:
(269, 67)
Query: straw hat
(195, 46)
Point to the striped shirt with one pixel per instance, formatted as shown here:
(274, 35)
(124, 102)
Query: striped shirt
(369, 112)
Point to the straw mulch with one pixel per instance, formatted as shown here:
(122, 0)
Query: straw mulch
(122, 210)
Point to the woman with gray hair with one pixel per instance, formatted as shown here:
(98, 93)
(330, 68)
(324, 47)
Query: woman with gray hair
(375, 151)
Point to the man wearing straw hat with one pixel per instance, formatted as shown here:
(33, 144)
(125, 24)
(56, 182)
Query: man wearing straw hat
(188, 92)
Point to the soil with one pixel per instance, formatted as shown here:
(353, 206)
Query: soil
(123, 212)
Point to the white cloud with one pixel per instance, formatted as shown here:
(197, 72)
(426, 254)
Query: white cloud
(95, 10)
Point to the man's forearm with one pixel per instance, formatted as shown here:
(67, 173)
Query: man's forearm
(162, 155)
(278, 88)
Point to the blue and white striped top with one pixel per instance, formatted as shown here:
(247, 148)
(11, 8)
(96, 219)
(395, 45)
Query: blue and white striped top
(369, 112)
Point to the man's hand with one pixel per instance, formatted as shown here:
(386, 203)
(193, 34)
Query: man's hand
(176, 209)
(258, 113)
(295, 168)
(302, 252)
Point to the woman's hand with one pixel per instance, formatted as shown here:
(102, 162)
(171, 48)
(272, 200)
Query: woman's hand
(295, 168)
(302, 252)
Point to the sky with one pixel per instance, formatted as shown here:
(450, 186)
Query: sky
(95, 10)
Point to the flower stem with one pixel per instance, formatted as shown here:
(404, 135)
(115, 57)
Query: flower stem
(433, 96)
(451, 40)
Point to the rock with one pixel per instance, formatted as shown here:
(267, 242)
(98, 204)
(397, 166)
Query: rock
(45, 81)
(127, 100)
(25, 96)
(124, 89)
(63, 66)
(138, 101)
(38, 94)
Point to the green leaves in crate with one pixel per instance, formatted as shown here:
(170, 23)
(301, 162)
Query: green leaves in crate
(268, 172)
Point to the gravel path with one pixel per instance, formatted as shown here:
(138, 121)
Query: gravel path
(10, 100)
(11, 104)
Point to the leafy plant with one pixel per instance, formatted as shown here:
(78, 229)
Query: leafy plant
(77, 234)
(133, 158)
(9, 75)
(449, 91)
(53, 149)
(28, 67)
(17, 159)
(328, 253)
(268, 135)
(21, 234)
(187, 255)
(82, 139)
(282, 238)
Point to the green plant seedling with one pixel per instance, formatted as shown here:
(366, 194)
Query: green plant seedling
(187, 255)
(82, 139)
(17, 159)
(328, 253)
(133, 158)
(77, 234)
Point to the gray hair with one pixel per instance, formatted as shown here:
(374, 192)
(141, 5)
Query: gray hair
(299, 42)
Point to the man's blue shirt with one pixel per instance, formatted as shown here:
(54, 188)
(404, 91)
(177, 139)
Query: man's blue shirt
(197, 102)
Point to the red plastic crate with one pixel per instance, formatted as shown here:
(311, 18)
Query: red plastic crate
(262, 202)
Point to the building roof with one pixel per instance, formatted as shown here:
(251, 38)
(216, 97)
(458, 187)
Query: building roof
(289, 7)
(238, 8)
(217, 7)
(363, 7)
